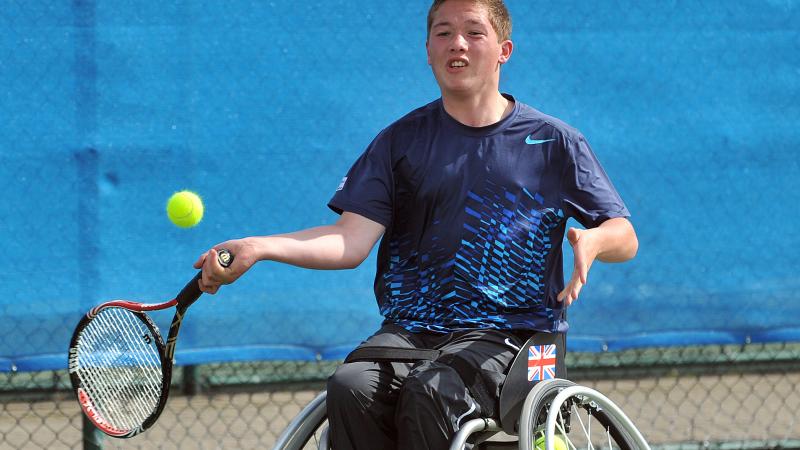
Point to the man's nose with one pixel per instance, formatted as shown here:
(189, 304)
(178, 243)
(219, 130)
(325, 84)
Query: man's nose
(458, 43)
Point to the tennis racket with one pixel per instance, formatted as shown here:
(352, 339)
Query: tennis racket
(118, 364)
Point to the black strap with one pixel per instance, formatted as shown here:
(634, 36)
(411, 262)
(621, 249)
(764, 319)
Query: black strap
(395, 354)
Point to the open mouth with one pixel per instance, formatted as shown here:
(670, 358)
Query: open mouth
(457, 64)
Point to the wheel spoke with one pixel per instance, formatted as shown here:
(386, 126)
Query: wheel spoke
(571, 411)
(562, 429)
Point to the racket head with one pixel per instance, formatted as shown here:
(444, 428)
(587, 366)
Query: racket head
(118, 369)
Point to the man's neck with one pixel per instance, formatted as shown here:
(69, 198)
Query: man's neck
(478, 111)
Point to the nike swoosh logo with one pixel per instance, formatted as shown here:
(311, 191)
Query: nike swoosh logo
(510, 344)
(471, 408)
(530, 141)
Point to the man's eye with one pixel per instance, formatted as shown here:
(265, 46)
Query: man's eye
(443, 33)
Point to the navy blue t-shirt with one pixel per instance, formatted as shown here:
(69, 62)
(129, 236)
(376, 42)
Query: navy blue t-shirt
(475, 217)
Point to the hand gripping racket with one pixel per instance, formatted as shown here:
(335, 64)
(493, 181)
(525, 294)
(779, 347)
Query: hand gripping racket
(118, 364)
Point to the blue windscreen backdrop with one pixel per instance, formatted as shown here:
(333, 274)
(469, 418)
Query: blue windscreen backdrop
(261, 107)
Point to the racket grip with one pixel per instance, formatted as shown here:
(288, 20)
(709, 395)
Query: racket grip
(191, 292)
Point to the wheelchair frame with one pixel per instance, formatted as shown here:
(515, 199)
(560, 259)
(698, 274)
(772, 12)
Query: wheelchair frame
(545, 408)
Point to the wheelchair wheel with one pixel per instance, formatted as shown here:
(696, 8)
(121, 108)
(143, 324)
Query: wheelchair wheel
(578, 416)
(308, 430)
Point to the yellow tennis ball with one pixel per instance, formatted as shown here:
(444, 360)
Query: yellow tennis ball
(559, 442)
(185, 209)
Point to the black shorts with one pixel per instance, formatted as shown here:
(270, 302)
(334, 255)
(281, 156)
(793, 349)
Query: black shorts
(480, 357)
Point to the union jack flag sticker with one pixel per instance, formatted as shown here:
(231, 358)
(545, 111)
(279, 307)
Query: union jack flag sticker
(541, 362)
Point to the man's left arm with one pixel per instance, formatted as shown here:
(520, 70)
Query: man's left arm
(613, 241)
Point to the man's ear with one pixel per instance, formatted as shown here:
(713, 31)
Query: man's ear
(506, 48)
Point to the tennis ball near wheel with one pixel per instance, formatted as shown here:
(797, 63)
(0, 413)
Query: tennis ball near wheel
(559, 443)
(185, 209)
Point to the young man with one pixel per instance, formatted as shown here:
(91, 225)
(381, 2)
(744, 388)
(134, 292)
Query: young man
(471, 194)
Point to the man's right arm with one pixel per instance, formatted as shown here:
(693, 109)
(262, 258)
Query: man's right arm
(342, 245)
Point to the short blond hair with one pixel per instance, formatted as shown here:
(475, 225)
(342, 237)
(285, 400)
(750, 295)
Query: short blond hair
(498, 17)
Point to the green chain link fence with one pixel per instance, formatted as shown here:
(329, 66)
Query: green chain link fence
(709, 397)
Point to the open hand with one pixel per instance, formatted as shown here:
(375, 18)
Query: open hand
(584, 254)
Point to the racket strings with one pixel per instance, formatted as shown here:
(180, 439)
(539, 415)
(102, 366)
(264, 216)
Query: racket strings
(120, 368)
(124, 391)
(135, 381)
(109, 381)
(127, 381)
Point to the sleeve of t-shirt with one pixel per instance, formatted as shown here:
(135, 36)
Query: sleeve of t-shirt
(586, 192)
(368, 187)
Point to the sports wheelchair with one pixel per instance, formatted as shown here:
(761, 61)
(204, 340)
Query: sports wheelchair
(552, 411)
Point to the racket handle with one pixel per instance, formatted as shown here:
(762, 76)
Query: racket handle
(191, 292)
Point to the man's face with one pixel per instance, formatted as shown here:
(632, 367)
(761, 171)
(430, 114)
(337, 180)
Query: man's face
(463, 50)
